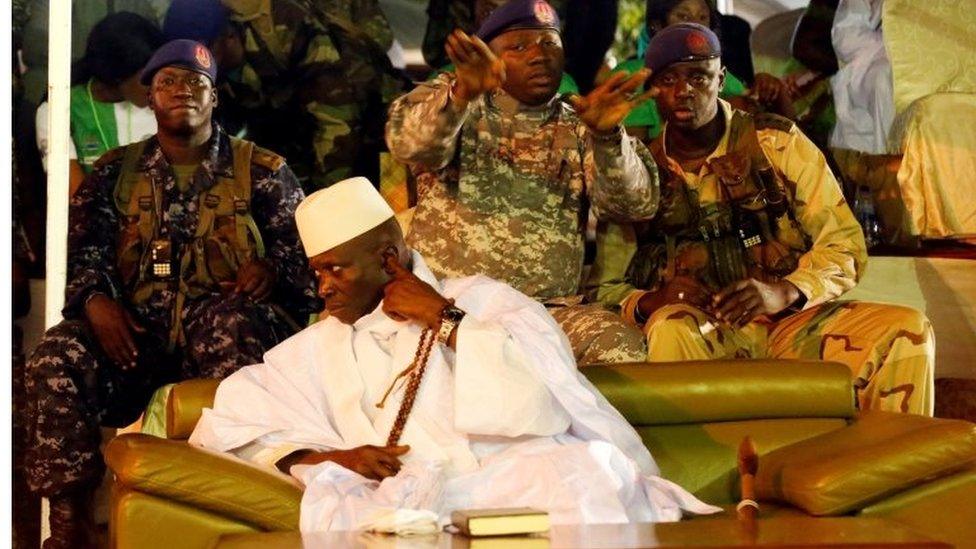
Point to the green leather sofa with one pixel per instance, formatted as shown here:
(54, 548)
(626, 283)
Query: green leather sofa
(817, 455)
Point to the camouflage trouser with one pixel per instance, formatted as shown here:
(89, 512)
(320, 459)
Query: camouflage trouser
(73, 388)
(890, 349)
(599, 335)
(26, 506)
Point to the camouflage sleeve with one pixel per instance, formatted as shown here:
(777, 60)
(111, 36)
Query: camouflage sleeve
(838, 256)
(608, 283)
(368, 15)
(276, 195)
(622, 182)
(424, 125)
(93, 224)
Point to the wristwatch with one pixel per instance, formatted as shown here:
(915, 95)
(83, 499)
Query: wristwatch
(450, 317)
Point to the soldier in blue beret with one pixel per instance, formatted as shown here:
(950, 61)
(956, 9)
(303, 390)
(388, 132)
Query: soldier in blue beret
(507, 169)
(752, 245)
(183, 261)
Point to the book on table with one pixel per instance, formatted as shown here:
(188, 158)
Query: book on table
(500, 522)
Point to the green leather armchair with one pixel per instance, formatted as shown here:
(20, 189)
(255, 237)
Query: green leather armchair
(817, 455)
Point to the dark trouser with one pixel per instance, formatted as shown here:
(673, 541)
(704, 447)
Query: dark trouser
(26, 506)
(73, 388)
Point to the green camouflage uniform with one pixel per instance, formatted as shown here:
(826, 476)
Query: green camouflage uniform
(300, 97)
(765, 206)
(72, 386)
(504, 190)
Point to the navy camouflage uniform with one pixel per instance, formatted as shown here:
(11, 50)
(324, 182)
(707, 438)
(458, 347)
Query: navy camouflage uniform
(73, 388)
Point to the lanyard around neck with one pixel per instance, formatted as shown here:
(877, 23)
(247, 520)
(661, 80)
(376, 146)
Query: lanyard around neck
(98, 123)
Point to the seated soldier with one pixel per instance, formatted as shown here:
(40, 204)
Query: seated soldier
(507, 170)
(754, 93)
(458, 393)
(752, 245)
(183, 261)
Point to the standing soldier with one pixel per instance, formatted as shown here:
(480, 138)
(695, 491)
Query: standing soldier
(752, 245)
(306, 82)
(183, 261)
(507, 170)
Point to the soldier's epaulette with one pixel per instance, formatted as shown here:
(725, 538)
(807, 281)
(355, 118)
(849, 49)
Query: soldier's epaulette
(110, 156)
(267, 159)
(770, 121)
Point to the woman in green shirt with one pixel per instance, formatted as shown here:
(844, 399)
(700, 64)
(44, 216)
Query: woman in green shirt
(768, 93)
(108, 104)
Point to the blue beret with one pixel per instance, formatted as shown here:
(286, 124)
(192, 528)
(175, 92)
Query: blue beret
(519, 14)
(681, 42)
(185, 54)
(200, 20)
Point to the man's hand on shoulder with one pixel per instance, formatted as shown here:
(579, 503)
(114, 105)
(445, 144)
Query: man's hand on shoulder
(742, 301)
(113, 326)
(375, 462)
(255, 279)
(604, 108)
(476, 67)
(406, 297)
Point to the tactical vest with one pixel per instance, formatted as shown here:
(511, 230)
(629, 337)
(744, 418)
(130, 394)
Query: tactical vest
(751, 231)
(226, 236)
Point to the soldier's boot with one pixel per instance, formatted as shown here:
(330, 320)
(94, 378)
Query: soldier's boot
(73, 521)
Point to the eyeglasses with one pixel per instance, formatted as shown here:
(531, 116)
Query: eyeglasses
(169, 82)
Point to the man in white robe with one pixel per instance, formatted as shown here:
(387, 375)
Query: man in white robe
(862, 88)
(502, 418)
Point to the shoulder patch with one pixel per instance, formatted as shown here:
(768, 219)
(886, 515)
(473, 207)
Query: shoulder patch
(267, 159)
(110, 156)
(770, 121)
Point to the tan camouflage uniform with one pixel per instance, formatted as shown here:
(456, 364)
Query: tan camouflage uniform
(504, 191)
(816, 244)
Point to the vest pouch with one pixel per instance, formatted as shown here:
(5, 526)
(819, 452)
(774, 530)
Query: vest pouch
(128, 251)
(224, 254)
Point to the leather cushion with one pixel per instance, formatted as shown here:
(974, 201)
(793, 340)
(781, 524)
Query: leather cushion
(211, 481)
(185, 404)
(725, 390)
(879, 455)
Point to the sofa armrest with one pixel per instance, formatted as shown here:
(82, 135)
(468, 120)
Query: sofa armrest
(185, 404)
(677, 393)
(213, 481)
(879, 455)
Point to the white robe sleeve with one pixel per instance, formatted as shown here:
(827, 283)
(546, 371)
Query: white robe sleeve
(497, 391)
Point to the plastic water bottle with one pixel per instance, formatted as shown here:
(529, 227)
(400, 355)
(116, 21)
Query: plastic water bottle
(864, 212)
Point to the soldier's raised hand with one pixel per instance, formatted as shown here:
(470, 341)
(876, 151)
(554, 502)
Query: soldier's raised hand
(604, 108)
(113, 327)
(476, 67)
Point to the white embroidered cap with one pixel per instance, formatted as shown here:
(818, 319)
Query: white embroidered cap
(339, 213)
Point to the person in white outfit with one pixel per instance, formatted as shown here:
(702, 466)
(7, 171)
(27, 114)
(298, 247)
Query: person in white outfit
(863, 93)
(500, 415)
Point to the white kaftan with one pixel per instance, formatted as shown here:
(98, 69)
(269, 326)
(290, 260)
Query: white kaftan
(862, 88)
(506, 421)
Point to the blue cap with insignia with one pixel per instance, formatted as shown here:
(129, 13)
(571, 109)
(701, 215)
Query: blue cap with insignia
(185, 54)
(519, 14)
(681, 42)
